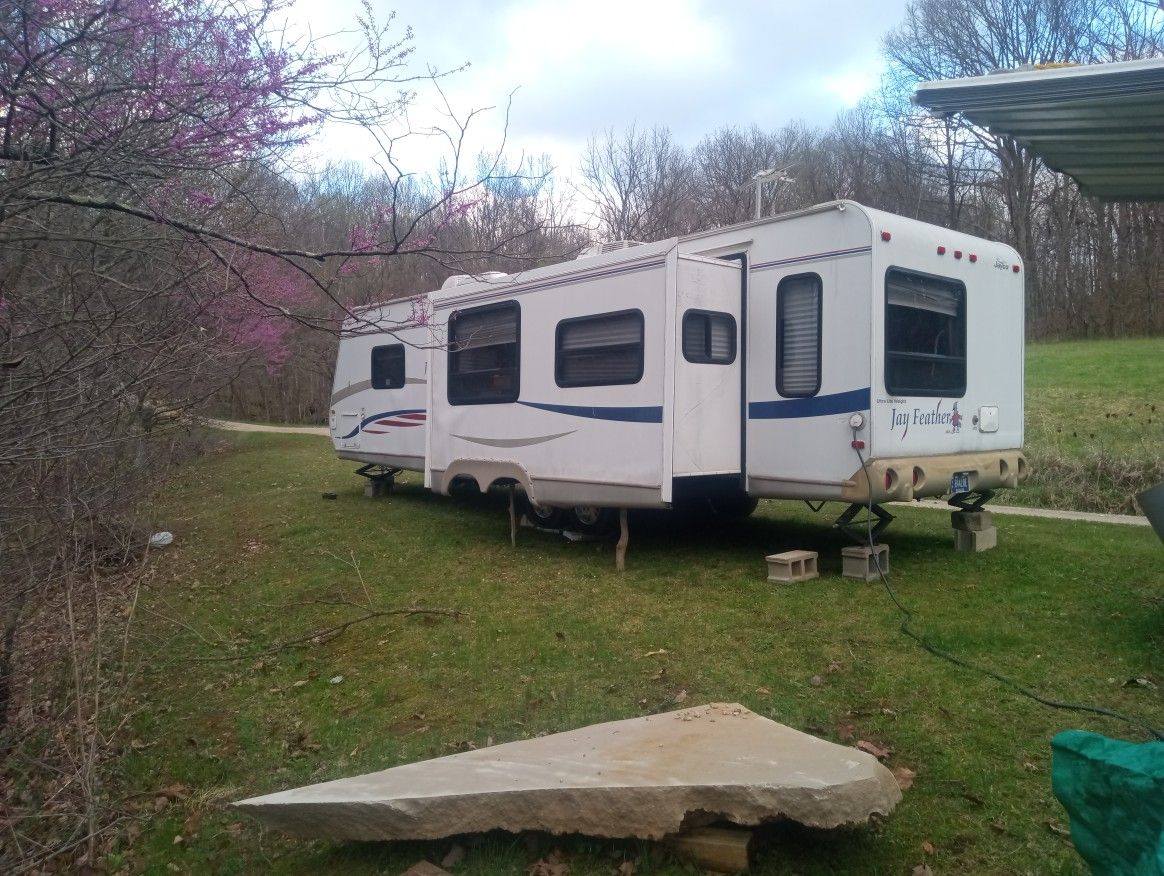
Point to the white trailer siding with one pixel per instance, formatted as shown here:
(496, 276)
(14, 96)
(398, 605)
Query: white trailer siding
(707, 418)
(570, 445)
(911, 425)
(801, 447)
(382, 426)
(798, 446)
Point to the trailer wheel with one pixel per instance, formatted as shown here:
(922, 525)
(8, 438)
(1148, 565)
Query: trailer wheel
(543, 516)
(738, 505)
(591, 519)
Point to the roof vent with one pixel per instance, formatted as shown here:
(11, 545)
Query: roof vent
(607, 246)
(462, 279)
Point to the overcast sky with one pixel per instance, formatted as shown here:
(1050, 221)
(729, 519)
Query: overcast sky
(580, 66)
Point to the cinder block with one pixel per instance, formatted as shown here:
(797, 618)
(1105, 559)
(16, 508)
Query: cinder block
(375, 488)
(863, 562)
(982, 540)
(792, 567)
(971, 521)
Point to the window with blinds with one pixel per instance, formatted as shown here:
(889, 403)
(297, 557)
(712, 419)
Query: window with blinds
(925, 335)
(388, 366)
(798, 320)
(709, 337)
(599, 350)
(484, 354)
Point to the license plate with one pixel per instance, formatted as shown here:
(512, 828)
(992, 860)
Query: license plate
(960, 482)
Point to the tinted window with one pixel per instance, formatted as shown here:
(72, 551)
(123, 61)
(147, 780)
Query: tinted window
(599, 350)
(484, 354)
(798, 312)
(388, 366)
(709, 337)
(925, 335)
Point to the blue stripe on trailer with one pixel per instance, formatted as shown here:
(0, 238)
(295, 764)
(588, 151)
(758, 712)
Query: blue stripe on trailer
(815, 406)
(647, 414)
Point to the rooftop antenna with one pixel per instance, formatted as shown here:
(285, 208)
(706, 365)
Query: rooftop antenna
(778, 175)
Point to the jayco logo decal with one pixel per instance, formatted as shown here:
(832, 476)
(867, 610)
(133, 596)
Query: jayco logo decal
(903, 418)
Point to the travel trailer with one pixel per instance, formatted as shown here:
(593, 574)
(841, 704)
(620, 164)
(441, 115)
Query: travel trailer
(837, 353)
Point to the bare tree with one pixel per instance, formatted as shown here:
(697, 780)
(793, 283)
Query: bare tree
(640, 183)
(943, 39)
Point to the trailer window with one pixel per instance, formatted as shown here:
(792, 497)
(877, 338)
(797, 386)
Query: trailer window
(925, 335)
(798, 311)
(484, 354)
(599, 350)
(709, 337)
(388, 366)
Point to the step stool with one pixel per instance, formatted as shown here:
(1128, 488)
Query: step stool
(791, 567)
(863, 562)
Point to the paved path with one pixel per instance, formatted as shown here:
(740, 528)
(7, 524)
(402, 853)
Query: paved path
(938, 504)
(232, 426)
(1086, 516)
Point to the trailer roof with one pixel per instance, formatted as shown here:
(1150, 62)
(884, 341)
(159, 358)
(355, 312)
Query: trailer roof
(1102, 124)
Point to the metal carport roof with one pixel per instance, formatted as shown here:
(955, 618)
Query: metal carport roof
(1103, 124)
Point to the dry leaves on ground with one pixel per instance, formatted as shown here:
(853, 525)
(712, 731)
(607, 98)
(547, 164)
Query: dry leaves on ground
(904, 776)
(874, 749)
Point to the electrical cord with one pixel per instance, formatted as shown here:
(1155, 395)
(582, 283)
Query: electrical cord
(907, 630)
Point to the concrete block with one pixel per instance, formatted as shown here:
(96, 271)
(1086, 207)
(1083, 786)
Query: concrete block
(376, 488)
(983, 540)
(863, 562)
(971, 521)
(791, 567)
(718, 849)
(642, 777)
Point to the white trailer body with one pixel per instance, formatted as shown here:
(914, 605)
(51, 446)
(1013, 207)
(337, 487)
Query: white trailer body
(593, 405)
(919, 331)
(764, 357)
(379, 399)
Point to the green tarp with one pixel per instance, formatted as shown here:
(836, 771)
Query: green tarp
(1114, 793)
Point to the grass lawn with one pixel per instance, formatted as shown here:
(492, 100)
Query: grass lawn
(1094, 423)
(551, 638)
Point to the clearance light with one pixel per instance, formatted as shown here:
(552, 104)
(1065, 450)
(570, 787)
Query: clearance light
(941, 250)
(1015, 269)
(957, 253)
(857, 444)
(885, 235)
(973, 257)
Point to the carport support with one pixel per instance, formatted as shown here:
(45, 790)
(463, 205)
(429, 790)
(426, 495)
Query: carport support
(623, 538)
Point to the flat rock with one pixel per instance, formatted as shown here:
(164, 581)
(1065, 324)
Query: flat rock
(643, 777)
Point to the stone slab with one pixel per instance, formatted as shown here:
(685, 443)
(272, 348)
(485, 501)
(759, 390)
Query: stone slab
(643, 777)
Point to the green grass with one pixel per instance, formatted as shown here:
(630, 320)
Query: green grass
(553, 638)
(1094, 423)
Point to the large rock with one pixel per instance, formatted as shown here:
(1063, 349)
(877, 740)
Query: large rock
(644, 777)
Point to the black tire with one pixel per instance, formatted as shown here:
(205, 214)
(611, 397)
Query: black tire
(734, 505)
(543, 516)
(591, 520)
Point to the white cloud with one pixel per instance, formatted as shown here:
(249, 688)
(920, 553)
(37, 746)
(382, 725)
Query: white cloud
(580, 66)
